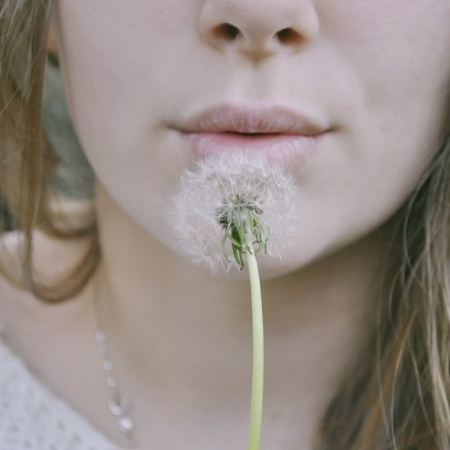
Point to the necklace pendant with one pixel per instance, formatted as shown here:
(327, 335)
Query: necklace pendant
(125, 424)
(119, 408)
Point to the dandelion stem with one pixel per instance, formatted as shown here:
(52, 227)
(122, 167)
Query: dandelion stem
(258, 351)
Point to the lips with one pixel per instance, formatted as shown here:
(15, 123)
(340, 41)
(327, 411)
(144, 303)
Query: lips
(281, 133)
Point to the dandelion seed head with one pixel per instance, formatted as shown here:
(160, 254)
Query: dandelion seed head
(218, 188)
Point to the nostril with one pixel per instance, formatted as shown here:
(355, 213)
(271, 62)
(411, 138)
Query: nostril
(226, 31)
(288, 36)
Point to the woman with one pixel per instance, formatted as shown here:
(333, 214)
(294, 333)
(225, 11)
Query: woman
(354, 99)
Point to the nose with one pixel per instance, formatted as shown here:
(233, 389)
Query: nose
(258, 28)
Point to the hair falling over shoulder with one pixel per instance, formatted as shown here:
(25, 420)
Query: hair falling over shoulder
(396, 396)
(28, 162)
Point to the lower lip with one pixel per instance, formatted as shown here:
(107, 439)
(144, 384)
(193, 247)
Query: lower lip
(286, 148)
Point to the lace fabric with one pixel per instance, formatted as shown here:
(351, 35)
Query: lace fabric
(32, 417)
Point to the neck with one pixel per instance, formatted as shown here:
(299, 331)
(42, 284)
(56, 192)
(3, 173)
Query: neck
(188, 335)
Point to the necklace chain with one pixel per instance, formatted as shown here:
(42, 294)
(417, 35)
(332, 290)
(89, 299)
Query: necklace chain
(119, 405)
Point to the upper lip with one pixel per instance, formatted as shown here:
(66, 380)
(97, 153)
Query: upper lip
(253, 120)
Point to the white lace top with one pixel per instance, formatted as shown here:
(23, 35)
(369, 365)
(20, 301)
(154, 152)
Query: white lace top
(34, 418)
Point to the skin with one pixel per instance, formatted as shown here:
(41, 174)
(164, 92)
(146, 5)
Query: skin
(377, 72)
(385, 100)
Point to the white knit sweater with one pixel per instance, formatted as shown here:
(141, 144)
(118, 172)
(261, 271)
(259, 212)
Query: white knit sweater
(34, 418)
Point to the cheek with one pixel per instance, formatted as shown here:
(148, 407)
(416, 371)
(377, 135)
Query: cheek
(391, 41)
(113, 61)
(351, 191)
(111, 64)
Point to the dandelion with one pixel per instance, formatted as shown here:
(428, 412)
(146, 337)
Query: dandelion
(228, 210)
(220, 192)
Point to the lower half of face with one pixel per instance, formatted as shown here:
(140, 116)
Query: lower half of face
(356, 109)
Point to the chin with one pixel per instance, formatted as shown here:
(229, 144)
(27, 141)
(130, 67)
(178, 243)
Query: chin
(269, 268)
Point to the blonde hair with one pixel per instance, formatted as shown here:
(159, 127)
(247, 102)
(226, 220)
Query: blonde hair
(397, 395)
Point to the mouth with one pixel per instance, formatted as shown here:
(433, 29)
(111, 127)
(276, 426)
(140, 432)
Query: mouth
(280, 133)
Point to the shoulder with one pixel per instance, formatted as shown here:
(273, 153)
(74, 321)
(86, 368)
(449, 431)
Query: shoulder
(32, 416)
(21, 312)
(11, 288)
(13, 294)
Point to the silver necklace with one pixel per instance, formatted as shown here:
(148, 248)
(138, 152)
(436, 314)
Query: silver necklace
(119, 405)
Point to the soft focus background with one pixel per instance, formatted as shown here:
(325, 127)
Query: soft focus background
(74, 177)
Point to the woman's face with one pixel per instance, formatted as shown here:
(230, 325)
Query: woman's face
(351, 95)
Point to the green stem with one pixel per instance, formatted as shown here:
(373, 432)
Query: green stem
(258, 352)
